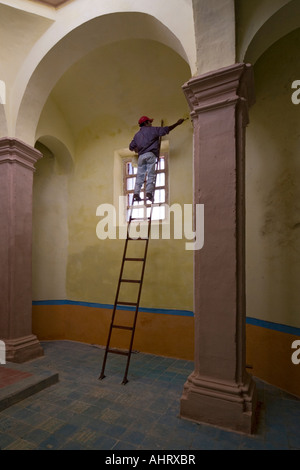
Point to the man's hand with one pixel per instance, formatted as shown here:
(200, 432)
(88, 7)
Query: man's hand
(180, 121)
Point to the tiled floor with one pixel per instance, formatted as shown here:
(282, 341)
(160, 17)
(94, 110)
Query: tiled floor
(82, 412)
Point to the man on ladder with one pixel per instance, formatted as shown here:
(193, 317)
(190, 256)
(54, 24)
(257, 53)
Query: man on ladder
(146, 143)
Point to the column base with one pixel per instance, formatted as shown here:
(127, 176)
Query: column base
(23, 349)
(227, 405)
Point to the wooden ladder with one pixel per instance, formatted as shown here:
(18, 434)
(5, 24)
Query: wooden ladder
(119, 302)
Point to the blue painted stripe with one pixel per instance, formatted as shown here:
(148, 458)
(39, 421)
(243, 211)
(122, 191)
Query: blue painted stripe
(274, 326)
(161, 311)
(185, 313)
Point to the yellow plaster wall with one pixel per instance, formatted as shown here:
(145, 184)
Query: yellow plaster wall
(93, 264)
(20, 30)
(215, 34)
(273, 212)
(53, 123)
(94, 109)
(50, 228)
(251, 16)
(261, 23)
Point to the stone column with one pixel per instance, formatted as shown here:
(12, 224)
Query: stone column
(220, 391)
(17, 161)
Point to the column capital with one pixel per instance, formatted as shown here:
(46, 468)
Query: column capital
(13, 150)
(220, 88)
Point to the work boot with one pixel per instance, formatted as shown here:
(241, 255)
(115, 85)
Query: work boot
(150, 197)
(136, 197)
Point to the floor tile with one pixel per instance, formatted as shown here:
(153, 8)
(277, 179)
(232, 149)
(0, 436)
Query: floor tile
(81, 412)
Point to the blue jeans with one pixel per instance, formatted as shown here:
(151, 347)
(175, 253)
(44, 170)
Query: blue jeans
(146, 164)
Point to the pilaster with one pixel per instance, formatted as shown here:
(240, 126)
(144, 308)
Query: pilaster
(220, 391)
(17, 161)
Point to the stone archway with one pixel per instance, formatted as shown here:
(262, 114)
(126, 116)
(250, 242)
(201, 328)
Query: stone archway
(103, 30)
(50, 219)
(263, 26)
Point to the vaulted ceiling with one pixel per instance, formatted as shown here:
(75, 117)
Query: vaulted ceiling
(115, 83)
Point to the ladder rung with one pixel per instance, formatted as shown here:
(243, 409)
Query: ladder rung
(130, 280)
(137, 239)
(121, 327)
(127, 303)
(118, 351)
(142, 219)
(134, 259)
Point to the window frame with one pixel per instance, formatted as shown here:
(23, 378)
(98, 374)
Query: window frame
(164, 153)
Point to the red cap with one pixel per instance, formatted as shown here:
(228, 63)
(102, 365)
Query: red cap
(144, 119)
